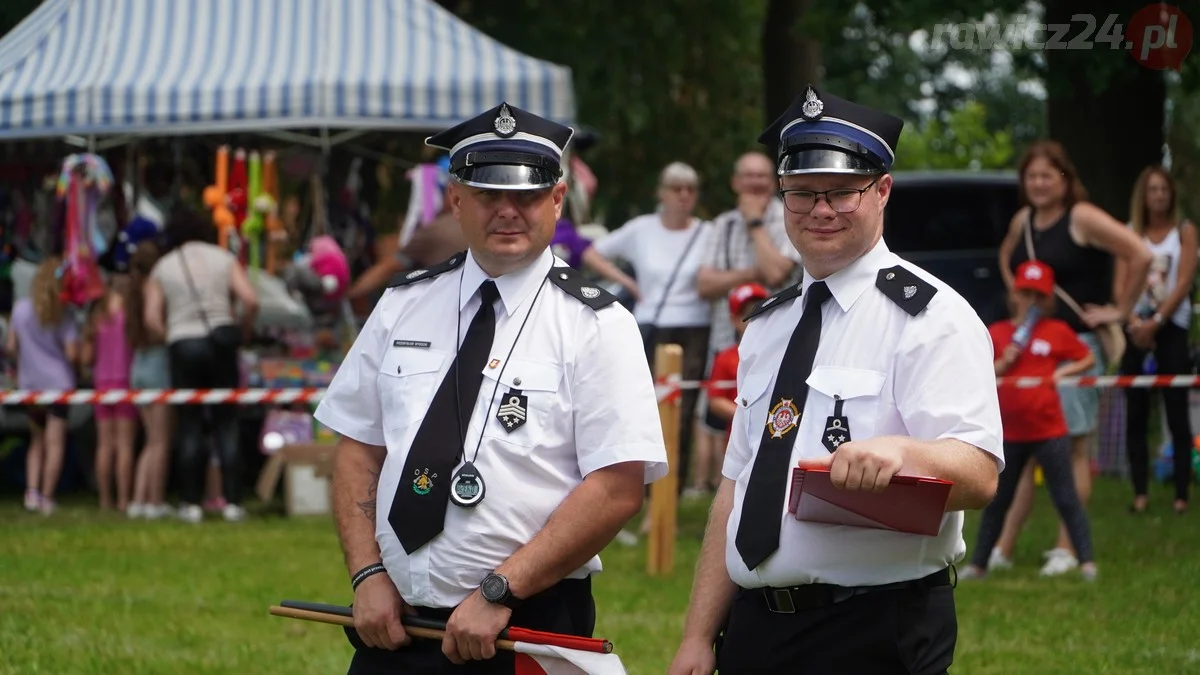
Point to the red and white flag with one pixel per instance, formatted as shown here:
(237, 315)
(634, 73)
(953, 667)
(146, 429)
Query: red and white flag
(541, 653)
(536, 659)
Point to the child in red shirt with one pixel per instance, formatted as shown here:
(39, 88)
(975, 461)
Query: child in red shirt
(1032, 344)
(721, 396)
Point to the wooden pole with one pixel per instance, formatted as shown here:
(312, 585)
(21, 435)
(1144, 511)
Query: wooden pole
(668, 360)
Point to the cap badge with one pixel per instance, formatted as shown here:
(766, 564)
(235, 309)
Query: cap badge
(813, 107)
(505, 124)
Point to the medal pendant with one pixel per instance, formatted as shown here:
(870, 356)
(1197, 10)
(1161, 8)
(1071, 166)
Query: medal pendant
(466, 488)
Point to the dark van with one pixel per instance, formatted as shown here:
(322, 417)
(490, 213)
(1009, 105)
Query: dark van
(951, 224)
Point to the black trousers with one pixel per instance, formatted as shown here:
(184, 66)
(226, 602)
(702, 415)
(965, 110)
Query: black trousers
(1172, 357)
(567, 607)
(200, 363)
(903, 631)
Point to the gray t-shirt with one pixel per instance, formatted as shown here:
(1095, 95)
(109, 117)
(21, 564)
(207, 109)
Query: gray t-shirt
(209, 269)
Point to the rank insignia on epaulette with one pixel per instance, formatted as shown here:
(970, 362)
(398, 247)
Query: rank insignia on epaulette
(406, 278)
(578, 287)
(780, 298)
(910, 292)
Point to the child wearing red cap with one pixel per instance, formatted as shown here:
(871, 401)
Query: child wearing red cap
(722, 388)
(1032, 344)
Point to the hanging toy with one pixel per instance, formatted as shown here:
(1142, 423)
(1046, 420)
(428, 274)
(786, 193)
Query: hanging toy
(255, 224)
(237, 199)
(276, 232)
(84, 180)
(216, 198)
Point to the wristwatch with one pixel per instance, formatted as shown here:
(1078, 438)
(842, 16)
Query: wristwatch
(495, 590)
(756, 222)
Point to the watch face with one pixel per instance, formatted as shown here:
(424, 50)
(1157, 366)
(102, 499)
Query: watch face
(494, 587)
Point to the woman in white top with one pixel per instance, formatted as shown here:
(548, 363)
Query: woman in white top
(666, 249)
(1159, 325)
(189, 300)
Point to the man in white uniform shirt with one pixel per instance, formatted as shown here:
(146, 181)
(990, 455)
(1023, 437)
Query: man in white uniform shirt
(496, 434)
(866, 342)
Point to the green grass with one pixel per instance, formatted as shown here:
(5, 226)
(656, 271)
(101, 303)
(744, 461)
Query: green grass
(83, 594)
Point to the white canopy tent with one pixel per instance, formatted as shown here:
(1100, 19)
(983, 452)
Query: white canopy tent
(88, 68)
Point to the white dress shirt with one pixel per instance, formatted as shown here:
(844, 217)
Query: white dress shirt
(590, 405)
(928, 376)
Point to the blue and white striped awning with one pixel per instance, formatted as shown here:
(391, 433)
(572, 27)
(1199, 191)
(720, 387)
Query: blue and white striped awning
(93, 67)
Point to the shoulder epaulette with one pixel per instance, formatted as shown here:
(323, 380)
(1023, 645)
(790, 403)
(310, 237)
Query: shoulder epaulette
(406, 278)
(906, 289)
(781, 298)
(578, 287)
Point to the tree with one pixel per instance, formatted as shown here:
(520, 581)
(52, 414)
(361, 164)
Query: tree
(1106, 109)
(962, 142)
(659, 81)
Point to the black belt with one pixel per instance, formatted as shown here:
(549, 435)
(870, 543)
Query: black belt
(810, 596)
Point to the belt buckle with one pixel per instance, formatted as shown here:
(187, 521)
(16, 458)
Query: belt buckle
(779, 601)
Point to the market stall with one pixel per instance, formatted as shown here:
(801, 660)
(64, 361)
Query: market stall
(304, 72)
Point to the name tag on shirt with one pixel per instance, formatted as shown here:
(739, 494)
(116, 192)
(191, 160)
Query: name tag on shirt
(410, 343)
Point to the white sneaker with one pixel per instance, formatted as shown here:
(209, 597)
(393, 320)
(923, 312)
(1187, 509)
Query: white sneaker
(1059, 561)
(136, 510)
(997, 561)
(233, 513)
(191, 513)
(155, 511)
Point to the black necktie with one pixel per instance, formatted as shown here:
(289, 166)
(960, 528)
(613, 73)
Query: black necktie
(418, 512)
(758, 530)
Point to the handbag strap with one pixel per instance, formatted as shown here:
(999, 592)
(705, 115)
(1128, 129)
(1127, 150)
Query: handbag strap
(192, 286)
(674, 273)
(1058, 291)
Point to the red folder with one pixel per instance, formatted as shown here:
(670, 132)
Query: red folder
(910, 504)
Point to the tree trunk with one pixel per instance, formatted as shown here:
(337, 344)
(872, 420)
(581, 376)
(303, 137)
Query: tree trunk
(1111, 130)
(791, 59)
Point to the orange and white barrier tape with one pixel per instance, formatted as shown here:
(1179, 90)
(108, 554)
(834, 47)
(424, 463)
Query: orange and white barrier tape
(665, 390)
(173, 396)
(671, 388)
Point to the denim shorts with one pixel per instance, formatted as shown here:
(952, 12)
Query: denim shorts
(1081, 405)
(151, 369)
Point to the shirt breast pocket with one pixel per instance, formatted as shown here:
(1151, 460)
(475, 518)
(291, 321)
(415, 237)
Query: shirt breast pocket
(856, 391)
(407, 381)
(753, 398)
(526, 408)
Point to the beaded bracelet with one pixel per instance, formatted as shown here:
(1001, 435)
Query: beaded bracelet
(369, 570)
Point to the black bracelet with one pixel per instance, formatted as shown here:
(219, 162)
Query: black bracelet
(369, 570)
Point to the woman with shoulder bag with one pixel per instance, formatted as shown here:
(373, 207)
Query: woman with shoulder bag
(1058, 226)
(190, 299)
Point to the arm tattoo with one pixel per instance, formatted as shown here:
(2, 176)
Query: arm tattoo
(367, 506)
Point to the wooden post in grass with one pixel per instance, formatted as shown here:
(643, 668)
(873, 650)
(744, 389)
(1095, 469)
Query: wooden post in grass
(668, 362)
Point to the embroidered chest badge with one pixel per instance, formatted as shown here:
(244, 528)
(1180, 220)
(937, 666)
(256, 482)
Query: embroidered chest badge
(423, 483)
(514, 409)
(783, 418)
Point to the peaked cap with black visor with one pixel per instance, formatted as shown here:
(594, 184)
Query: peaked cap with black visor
(822, 133)
(505, 148)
